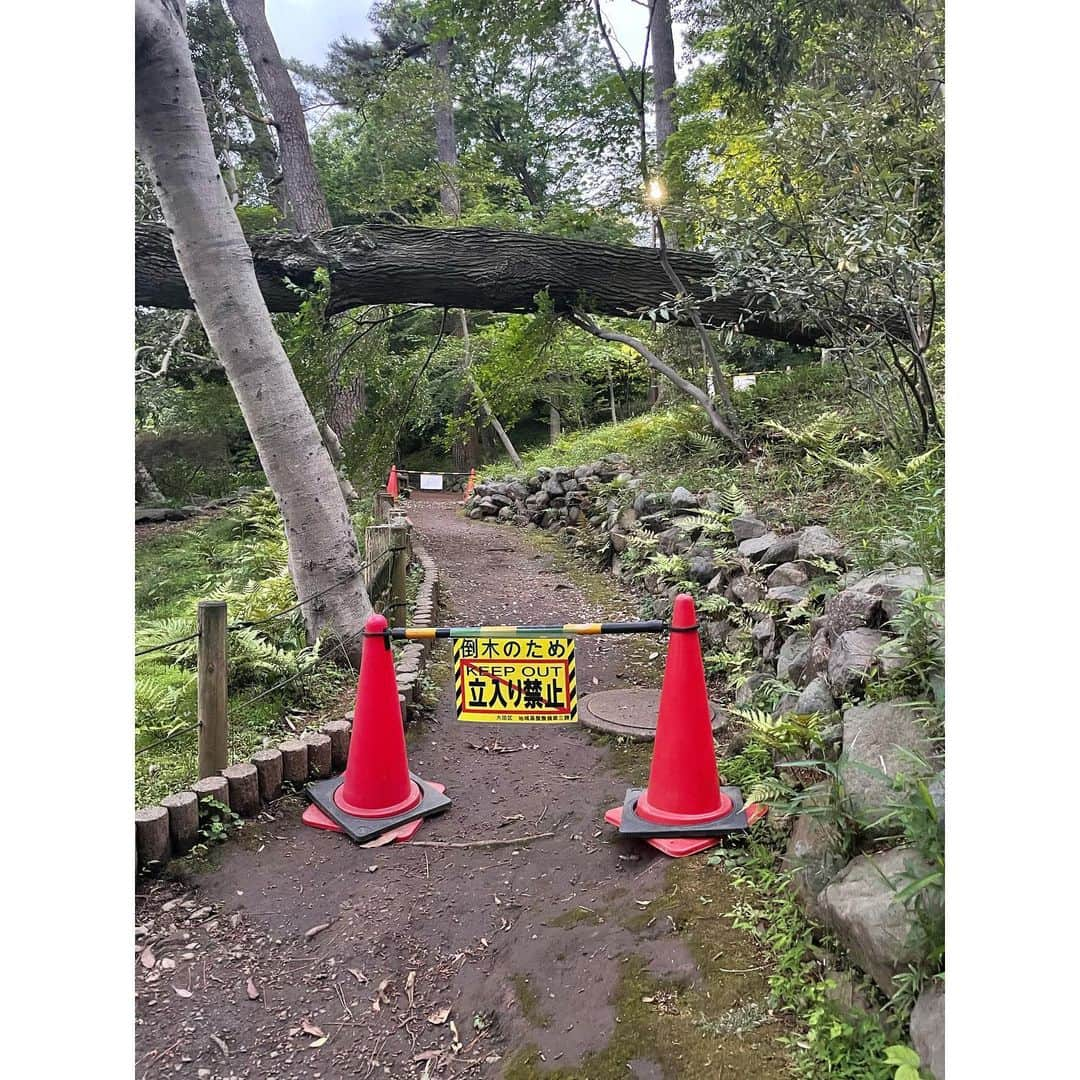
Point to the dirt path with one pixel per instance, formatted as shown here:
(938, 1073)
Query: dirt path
(580, 956)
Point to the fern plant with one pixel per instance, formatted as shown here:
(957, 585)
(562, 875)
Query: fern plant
(784, 733)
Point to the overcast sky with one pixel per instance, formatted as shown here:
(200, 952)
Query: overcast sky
(305, 28)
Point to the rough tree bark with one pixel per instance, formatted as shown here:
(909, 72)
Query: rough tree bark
(663, 70)
(302, 190)
(477, 268)
(173, 139)
(445, 135)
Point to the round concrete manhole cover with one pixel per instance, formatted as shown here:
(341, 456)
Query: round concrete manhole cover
(629, 713)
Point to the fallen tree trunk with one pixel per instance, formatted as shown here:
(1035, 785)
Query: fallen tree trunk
(477, 268)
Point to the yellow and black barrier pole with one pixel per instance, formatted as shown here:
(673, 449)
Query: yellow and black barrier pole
(422, 633)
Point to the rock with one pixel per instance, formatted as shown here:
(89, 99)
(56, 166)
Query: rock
(745, 693)
(843, 990)
(716, 584)
(852, 659)
(784, 550)
(649, 502)
(584, 470)
(875, 738)
(892, 656)
(785, 705)
(937, 794)
(538, 500)
(791, 661)
(683, 499)
(748, 527)
(816, 697)
(756, 546)
(627, 517)
(788, 573)
(861, 907)
(746, 589)
(506, 513)
(655, 522)
(928, 1030)
(553, 487)
(788, 594)
(817, 542)
(764, 634)
(672, 541)
(701, 569)
(817, 663)
(850, 610)
(713, 631)
(890, 586)
(619, 541)
(812, 856)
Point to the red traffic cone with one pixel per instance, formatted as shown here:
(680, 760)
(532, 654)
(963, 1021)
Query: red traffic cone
(684, 809)
(376, 793)
(470, 483)
(392, 483)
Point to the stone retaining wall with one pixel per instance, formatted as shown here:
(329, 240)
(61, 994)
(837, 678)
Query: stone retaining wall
(752, 571)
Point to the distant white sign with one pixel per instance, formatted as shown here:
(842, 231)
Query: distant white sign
(744, 382)
(431, 481)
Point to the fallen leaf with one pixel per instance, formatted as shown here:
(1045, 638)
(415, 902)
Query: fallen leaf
(410, 982)
(168, 964)
(181, 992)
(311, 1029)
(358, 975)
(147, 957)
(380, 841)
(220, 1043)
(316, 930)
(252, 990)
(318, 1042)
(372, 869)
(439, 1016)
(643, 903)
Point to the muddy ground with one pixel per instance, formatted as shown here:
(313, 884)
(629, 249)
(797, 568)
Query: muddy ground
(294, 953)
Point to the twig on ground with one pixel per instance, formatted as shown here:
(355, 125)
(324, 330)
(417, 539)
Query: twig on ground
(483, 843)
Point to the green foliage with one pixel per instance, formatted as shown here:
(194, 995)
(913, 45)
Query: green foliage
(785, 733)
(906, 1061)
(217, 823)
(919, 649)
(829, 1040)
(240, 557)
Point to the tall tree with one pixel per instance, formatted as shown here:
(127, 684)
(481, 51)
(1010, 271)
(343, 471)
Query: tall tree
(663, 71)
(445, 133)
(173, 139)
(302, 190)
(237, 116)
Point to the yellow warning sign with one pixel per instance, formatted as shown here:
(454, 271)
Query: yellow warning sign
(515, 680)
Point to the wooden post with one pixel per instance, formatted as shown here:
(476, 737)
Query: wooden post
(383, 502)
(397, 609)
(213, 687)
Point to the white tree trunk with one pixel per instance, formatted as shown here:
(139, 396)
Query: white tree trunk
(173, 139)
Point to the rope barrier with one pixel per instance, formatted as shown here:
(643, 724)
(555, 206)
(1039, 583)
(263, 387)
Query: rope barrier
(245, 623)
(167, 738)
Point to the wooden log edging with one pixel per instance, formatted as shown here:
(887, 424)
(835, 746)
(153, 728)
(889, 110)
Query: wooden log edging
(170, 827)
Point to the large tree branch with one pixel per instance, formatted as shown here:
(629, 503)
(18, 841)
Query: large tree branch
(479, 269)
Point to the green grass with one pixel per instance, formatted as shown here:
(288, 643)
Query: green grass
(241, 557)
(881, 520)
